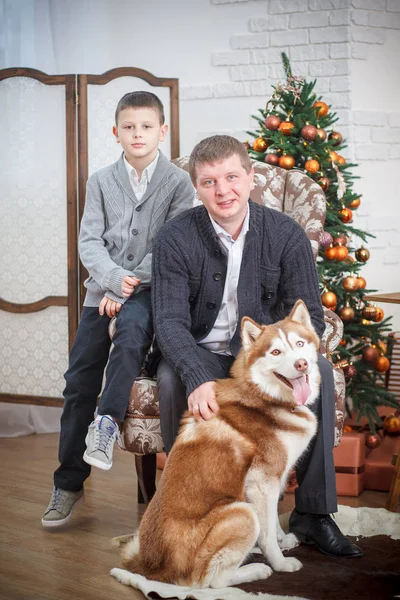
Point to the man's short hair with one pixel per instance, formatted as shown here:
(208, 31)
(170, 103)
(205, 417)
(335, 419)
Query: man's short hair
(140, 100)
(216, 148)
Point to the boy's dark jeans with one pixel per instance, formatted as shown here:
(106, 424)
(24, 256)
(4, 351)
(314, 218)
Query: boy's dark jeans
(84, 378)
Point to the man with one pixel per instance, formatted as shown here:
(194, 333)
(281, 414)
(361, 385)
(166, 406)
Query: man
(214, 264)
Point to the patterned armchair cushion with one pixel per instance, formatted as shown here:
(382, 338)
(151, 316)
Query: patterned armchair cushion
(299, 196)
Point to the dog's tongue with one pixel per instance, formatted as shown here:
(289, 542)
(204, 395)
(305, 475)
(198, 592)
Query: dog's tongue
(301, 389)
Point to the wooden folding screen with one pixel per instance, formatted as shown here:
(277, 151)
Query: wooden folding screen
(38, 329)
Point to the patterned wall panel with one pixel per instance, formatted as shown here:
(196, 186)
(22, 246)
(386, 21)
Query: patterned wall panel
(33, 235)
(102, 102)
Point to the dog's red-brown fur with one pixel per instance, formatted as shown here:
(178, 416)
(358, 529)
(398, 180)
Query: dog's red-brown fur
(207, 512)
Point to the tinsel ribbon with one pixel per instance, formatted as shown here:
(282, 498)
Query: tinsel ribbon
(341, 182)
(293, 86)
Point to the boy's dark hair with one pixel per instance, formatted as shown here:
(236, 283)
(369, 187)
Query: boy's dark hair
(215, 148)
(140, 100)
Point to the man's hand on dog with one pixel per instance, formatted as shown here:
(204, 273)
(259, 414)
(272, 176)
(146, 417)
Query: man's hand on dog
(202, 403)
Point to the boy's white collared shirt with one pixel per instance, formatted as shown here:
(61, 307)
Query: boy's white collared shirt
(220, 336)
(139, 187)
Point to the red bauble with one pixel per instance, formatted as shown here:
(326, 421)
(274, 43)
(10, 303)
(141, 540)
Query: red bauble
(373, 440)
(272, 122)
(272, 159)
(309, 132)
(370, 354)
(340, 239)
(350, 372)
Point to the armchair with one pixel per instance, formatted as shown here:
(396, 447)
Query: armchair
(300, 197)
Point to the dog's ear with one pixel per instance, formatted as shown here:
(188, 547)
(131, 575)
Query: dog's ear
(301, 315)
(250, 332)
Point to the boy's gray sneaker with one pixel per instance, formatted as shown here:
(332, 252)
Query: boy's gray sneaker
(60, 508)
(100, 439)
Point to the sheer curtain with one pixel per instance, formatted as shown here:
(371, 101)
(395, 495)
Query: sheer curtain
(26, 40)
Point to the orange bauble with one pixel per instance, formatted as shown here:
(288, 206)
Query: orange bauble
(322, 108)
(286, 127)
(382, 347)
(330, 253)
(346, 313)
(369, 312)
(341, 160)
(350, 283)
(260, 145)
(345, 215)
(362, 254)
(341, 252)
(336, 138)
(379, 315)
(362, 283)
(321, 134)
(333, 155)
(329, 300)
(312, 166)
(324, 183)
(382, 364)
(354, 203)
(391, 424)
(286, 162)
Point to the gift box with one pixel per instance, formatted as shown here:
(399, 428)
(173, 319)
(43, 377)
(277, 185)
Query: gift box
(349, 459)
(378, 464)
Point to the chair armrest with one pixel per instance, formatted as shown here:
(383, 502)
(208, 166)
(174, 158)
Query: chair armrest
(332, 334)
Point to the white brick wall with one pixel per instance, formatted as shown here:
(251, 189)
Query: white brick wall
(325, 40)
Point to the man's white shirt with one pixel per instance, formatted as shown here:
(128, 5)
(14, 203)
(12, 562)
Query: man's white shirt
(220, 336)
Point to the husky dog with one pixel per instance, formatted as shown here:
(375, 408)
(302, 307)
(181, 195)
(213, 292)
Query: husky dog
(218, 495)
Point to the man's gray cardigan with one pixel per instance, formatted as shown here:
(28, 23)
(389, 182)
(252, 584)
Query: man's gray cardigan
(189, 271)
(118, 231)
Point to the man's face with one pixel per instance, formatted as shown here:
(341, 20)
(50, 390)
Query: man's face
(139, 132)
(224, 188)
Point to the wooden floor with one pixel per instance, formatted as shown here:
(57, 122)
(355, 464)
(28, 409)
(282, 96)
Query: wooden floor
(73, 563)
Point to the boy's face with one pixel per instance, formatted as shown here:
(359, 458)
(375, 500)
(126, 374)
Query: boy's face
(224, 188)
(139, 132)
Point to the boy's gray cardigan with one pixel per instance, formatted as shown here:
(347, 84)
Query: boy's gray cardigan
(117, 231)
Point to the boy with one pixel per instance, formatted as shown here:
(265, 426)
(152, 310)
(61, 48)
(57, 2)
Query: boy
(126, 204)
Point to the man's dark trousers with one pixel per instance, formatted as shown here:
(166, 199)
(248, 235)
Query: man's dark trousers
(88, 359)
(315, 471)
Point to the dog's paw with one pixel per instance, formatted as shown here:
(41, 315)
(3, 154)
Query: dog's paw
(288, 565)
(261, 571)
(288, 542)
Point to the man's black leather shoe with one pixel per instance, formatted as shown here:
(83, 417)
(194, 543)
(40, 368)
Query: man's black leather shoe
(322, 531)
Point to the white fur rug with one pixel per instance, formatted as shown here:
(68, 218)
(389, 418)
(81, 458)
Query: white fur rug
(356, 522)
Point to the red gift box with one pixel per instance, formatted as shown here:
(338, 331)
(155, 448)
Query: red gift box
(378, 464)
(349, 459)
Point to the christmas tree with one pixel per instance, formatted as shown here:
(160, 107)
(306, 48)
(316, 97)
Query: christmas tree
(295, 131)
